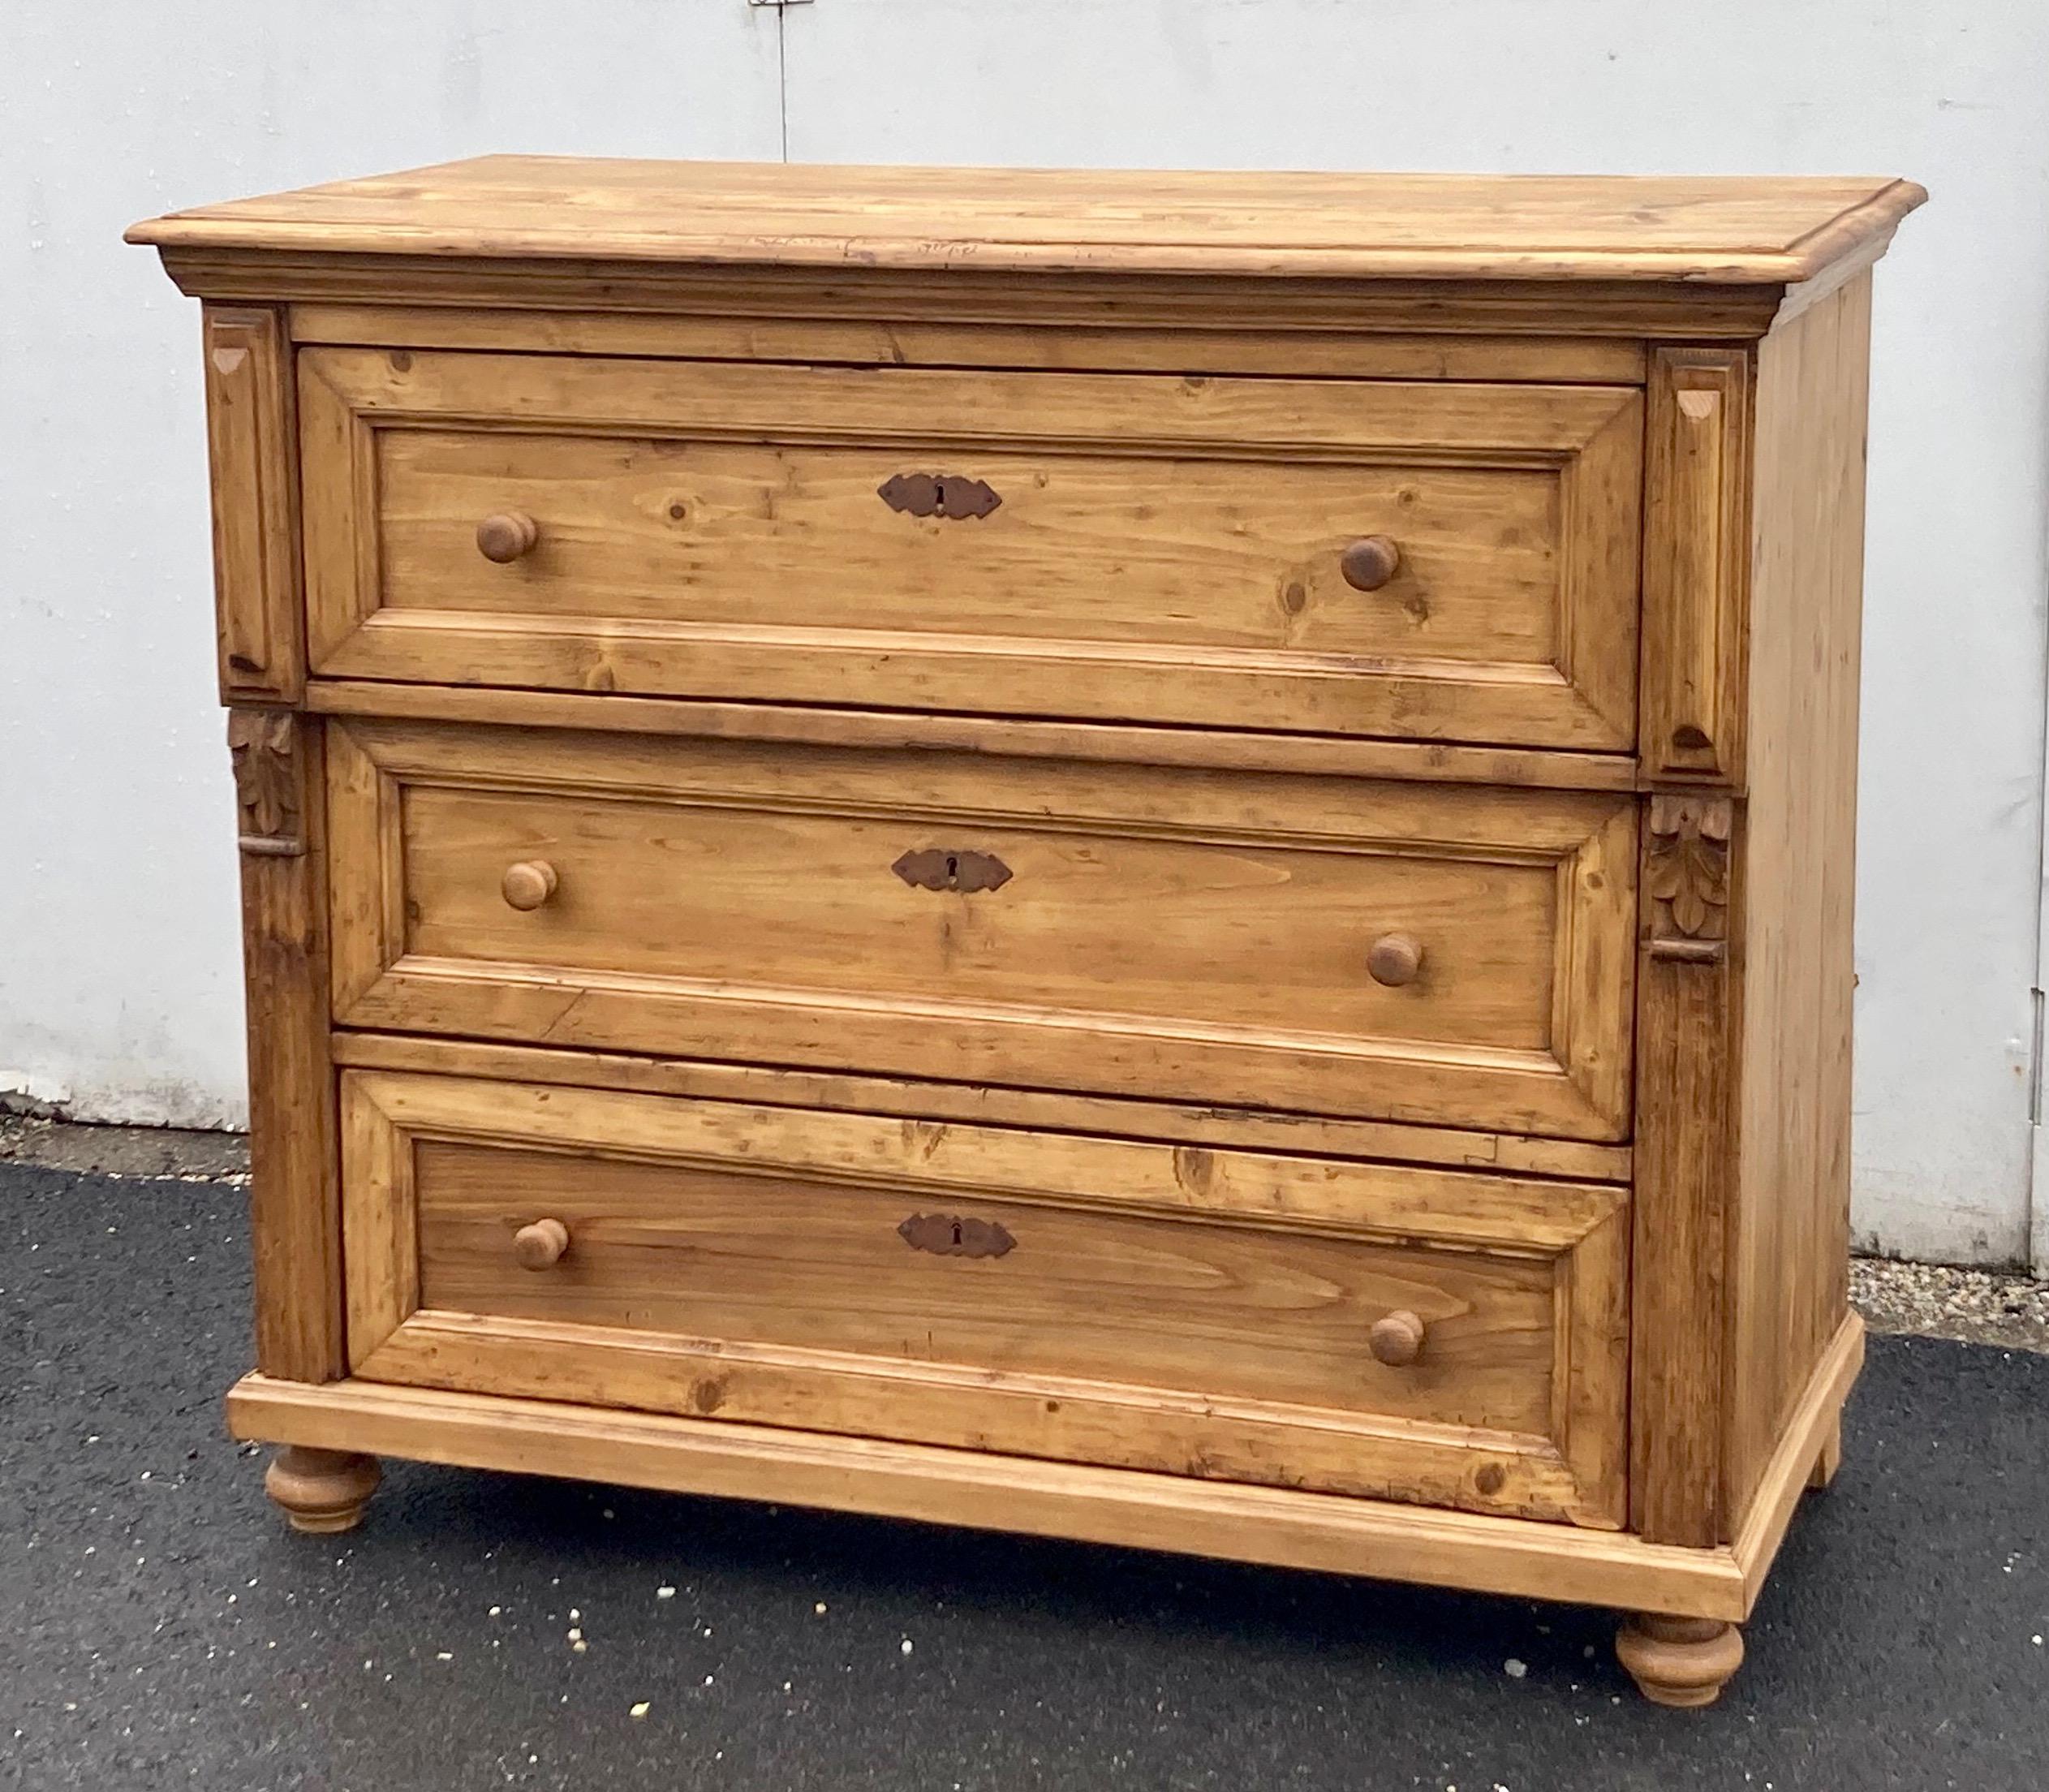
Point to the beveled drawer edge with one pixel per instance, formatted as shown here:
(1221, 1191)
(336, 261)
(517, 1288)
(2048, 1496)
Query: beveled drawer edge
(1366, 1142)
(435, 1329)
(1361, 1454)
(1415, 1204)
(1106, 742)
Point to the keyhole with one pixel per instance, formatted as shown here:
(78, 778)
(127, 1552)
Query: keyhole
(956, 1231)
(953, 871)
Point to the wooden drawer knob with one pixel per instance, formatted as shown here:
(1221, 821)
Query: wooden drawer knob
(529, 883)
(540, 1246)
(1392, 959)
(1396, 1340)
(1370, 563)
(505, 535)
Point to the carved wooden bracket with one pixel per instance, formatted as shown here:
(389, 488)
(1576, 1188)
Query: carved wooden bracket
(937, 867)
(947, 1236)
(938, 494)
(1686, 874)
(269, 776)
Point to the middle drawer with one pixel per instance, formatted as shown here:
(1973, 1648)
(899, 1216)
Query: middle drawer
(1434, 954)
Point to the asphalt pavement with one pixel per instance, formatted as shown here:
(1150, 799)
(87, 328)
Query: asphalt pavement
(160, 1627)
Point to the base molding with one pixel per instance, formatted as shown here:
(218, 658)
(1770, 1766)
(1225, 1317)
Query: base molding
(1812, 1431)
(1277, 1527)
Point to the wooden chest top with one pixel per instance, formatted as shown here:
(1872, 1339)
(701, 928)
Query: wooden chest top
(1730, 229)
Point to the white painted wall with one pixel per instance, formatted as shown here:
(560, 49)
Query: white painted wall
(119, 965)
(116, 950)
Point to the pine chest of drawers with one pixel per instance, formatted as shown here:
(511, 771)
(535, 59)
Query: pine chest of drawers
(1162, 858)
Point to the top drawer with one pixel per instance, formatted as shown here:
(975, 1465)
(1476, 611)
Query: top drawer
(1128, 546)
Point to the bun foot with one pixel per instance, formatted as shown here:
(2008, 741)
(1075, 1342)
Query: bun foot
(1682, 1662)
(322, 1491)
(1828, 1458)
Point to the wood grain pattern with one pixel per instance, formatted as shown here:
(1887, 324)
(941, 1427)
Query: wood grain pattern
(1809, 1432)
(992, 738)
(1192, 1312)
(1696, 564)
(1231, 1313)
(1687, 1011)
(1167, 550)
(1161, 936)
(294, 1203)
(1115, 345)
(1789, 1239)
(1393, 1202)
(1619, 309)
(252, 459)
(1281, 1525)
(1518, 1154)
(1769, 230)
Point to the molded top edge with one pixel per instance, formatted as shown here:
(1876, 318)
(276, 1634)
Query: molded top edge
(1737, 230)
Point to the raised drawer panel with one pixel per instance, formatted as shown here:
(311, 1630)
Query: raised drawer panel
(1444, 954)
(1206, 1313)
(1137, 547)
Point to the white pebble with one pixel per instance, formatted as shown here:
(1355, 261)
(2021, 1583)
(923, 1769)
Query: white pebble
(665, 1592)
(906, 1645)
(1513, 1668)
(820, 1608)
(443, 1655)
(639, 1710)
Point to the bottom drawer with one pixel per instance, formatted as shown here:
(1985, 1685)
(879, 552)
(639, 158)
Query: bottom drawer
(1404, 1332)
